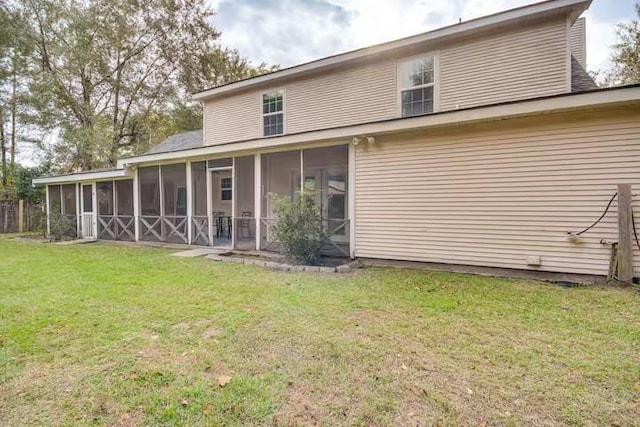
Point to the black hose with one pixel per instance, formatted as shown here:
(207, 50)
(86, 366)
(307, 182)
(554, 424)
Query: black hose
(635, 233)
(599, 219)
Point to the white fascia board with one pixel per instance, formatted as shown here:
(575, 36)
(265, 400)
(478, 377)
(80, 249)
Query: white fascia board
(85, 176)
(501, 111)
(576, 6)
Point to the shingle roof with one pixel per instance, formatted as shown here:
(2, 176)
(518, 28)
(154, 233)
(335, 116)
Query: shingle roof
(178, 142)
(580, 80)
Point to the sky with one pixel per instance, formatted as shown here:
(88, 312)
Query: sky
(290, 32)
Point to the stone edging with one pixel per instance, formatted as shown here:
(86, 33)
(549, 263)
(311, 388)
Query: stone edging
(280, 266)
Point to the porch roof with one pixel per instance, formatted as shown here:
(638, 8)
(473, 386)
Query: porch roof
(179, 142)
(597, 98)
(93, 175)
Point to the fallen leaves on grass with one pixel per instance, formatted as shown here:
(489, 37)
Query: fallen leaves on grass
(223, 380)
(125, 420)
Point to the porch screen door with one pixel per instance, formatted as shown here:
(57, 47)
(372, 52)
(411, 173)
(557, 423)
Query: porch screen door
(329, 187)
(87, 210)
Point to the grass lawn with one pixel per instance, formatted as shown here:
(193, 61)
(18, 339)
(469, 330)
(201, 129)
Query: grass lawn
(104, 334)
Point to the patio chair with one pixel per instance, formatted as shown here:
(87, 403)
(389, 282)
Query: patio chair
(245, 224)
(218, 218)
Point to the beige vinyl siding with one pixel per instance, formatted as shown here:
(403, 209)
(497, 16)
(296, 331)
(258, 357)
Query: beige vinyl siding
(360, 94)
(507, 67)
(577, 41)
(357, 95)
(494, 194)
(512, 65)
(233, 118)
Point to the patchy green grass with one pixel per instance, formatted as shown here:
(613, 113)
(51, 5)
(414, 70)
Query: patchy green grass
(104, 334)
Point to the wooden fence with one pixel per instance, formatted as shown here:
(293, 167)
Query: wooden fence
(18, 216)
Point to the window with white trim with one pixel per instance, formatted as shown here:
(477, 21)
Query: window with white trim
(417, 86)
(226, 189)
(273, 113)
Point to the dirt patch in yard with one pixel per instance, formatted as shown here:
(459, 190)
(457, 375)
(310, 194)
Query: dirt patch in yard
(205, 328)
(33, 238)
(57, 388)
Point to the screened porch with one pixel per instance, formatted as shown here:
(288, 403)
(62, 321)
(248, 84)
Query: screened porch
(225, 202)
(214, 202)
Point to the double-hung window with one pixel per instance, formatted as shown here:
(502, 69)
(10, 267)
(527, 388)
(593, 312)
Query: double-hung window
(226, 189)
(273, 113)
(417, 86)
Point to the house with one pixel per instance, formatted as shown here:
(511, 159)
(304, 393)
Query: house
(481, 143)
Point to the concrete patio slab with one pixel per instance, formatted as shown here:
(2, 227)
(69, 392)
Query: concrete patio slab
(76, 241)
(199, 252)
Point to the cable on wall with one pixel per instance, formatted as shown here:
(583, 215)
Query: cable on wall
(635, 233)
(599, 219)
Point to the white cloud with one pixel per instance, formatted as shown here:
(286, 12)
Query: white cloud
(600, 37)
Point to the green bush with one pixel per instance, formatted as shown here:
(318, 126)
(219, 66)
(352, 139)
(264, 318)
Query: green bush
(299, 228)
(61, 226)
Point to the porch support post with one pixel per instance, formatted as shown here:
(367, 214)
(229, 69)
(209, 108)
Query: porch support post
(351, 200)
(257, 195)
(96, 208)
(78, 215)
(209, 207)
(234, 197)
(48, 204)
(163, 234)
(301, 171)
(136, 204)
(189, 200)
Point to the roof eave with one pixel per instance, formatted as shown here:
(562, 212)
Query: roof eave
(123, 172)
(548, 104)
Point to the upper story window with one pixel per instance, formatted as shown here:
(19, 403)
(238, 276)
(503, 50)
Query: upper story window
(417, 86)
(273, 113)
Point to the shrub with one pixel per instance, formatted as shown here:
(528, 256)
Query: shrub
(299, 228)
(61, 226)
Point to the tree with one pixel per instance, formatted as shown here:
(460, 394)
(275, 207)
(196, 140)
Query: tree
(626, 53)
(5, 42)
(4, 171)
(107, 69)
(22, 178)
(15, 73)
